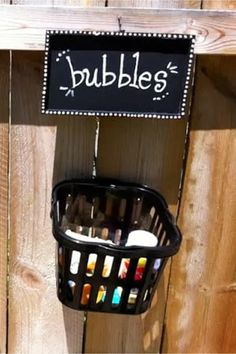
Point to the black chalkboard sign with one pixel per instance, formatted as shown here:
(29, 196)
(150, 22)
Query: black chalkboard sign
(117, 74)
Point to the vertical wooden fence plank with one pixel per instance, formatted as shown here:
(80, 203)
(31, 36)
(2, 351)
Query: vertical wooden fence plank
(4, 154)
(44, 151)
(201, 313)
(141, 151)
(219, 4)
(4, 144)
(151, 152)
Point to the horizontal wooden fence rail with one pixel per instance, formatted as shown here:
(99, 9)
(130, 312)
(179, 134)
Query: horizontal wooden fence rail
(23, 27)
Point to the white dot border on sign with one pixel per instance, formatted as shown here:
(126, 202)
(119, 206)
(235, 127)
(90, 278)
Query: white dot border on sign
(114, 114)
(121, 33)
(189, 74)
(183, 108)
(45, 72)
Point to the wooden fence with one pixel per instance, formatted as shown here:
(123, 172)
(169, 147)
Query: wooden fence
(194, 308)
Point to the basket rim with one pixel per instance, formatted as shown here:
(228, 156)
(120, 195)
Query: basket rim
(105, 182)
(110, 249)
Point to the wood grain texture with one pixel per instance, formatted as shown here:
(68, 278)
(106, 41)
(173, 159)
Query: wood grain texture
(139, 151)
(201, 312)
(23, 27)
(165, 4)
(44, 150)
(86, 3)
(202, 297)
(219, 4)
(4, 152)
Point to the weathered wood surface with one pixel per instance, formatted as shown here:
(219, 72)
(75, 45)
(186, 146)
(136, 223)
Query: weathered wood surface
(49, 150)
(4, 151)
(23, 27)
(44, 150)
(159, 4)
(201, 311)
(138, 151)
(219, 4)
(86, 3)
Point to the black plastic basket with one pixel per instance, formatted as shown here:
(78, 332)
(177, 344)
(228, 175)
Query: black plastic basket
(110, 210)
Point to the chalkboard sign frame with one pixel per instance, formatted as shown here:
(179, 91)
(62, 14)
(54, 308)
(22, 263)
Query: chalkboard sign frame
(184, 110)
